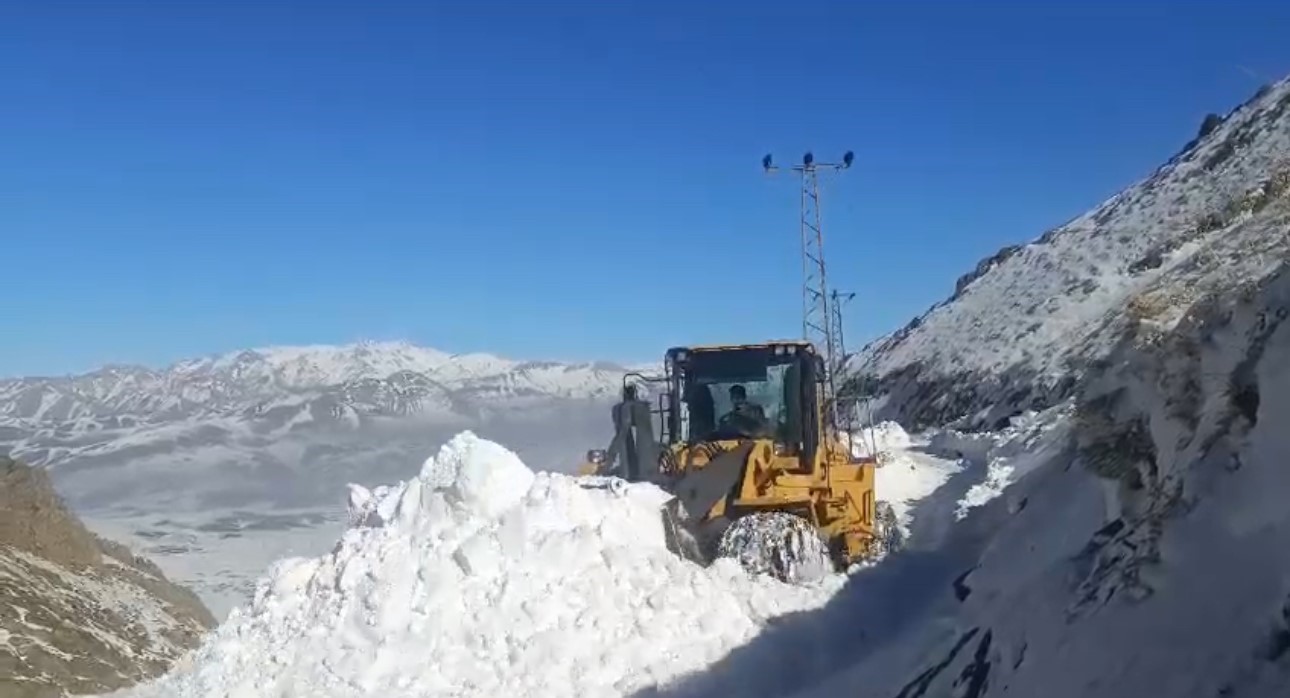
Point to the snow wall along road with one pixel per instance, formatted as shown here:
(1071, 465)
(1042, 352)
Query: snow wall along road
(480, 577)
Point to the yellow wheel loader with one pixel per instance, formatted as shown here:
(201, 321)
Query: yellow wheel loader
(757, 467)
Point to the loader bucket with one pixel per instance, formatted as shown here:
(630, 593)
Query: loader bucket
(682, 537)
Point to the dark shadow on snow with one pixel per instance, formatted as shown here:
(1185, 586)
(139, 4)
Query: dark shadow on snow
(875, 609)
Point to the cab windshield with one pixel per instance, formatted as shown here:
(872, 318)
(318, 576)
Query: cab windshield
(735, 394)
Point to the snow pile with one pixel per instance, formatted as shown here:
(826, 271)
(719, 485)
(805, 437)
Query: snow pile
(880, 439)
(480, 577)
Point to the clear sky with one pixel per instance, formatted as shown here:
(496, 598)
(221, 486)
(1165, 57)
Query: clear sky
(565, 180)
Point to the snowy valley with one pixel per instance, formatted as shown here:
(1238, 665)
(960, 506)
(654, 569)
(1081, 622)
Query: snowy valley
(1084, 447)
(216, 467)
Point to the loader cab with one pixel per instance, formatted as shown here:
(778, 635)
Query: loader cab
(781, 378)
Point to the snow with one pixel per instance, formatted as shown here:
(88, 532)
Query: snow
(909, 469)
(1073, 581)
(1029, 571)
(880, 438)
(316, 366)
(252, 382)
(1036, 317)
(219, 563)
(481, 577)
(1008, 454)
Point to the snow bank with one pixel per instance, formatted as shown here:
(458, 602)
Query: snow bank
(480, 577)
(1028, 442)
(882, 439)
(908, 478)
(941, 475)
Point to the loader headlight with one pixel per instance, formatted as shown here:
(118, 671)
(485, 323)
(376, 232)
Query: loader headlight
(781, 449)
(596, 456)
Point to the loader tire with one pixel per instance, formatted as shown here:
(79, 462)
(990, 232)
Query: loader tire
(776, 543)
(890, 537)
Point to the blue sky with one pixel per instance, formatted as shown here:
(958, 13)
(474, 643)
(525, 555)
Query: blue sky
(566, 180)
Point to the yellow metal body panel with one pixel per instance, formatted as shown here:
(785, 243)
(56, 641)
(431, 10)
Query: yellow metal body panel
(834, 492)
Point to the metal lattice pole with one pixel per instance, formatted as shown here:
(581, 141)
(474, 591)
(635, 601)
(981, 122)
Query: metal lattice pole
(819, 324)
(839, 300)
(848, 406)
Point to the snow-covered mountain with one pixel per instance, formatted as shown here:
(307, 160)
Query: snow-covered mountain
(281, 385)
(245, 406)
(216, 466)
(1028, 322)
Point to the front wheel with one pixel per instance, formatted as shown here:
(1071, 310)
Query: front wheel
(777, 543)
(890, 537)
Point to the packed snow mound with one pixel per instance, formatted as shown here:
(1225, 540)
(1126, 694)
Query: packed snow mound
(883, 438)
(480, 577)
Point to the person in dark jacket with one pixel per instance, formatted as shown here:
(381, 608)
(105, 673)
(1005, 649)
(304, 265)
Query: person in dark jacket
(747, 415)
(633, 453)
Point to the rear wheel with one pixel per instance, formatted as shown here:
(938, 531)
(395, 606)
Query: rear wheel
(782, 545)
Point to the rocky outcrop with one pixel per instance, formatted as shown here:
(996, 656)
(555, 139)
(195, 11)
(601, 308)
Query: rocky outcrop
(79, 614)
(1177, 418)
(1022, 329)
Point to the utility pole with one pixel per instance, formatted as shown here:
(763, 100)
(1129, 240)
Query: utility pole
(836, 302)
(846, 404)
(819, 324)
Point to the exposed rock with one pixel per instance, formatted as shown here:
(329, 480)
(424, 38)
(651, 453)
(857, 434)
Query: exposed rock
(79, 614)
(1023, 328)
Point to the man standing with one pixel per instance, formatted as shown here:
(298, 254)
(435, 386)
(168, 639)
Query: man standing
(633, 449)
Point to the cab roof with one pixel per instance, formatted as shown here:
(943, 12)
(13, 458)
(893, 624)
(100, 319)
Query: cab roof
(800, 343)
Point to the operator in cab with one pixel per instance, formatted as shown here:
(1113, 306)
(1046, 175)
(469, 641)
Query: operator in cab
(748, 415)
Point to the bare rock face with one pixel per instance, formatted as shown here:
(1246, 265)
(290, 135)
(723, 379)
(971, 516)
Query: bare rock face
(79, 614)
(33, 519)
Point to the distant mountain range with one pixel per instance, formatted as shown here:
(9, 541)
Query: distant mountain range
(274, 391)
(216, 466)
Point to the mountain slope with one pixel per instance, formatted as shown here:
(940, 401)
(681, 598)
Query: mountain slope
(1146, 558)
(78, 613)
(1022, 328)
